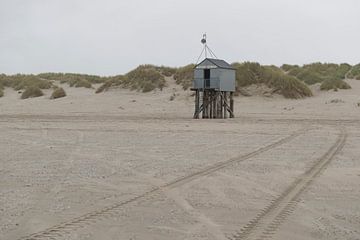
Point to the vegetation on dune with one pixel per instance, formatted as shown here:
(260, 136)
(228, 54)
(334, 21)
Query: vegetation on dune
(112, 82)
(288, 80)
(31, 92)
(81, 83)
(289, 67)
(334, 84)
(73, 78)
(288, 86)
(166, 71)
(144, 78)
(184, 76)
(317, 72)
(355, 72)
(253, 73)
(58, 93)
(22, 81)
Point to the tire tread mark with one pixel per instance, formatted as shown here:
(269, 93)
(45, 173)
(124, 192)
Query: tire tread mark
(266, 223)
(91, 217)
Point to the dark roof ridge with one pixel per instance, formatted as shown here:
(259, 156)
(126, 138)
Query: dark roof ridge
(218, 62)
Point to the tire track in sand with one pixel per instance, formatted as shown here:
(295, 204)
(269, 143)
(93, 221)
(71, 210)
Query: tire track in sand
(266, 223)
(91, 217)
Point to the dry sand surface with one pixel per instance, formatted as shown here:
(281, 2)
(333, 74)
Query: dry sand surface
(127, 165)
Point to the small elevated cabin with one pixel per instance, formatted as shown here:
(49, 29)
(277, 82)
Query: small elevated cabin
(214, 85)
(214, 74)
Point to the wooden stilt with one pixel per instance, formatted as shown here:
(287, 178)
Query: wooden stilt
(213, 104)
(204, 105)
(231, 105)
(197, 107)
(224, 106)
(218, 105)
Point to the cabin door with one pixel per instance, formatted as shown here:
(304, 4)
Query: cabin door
(207, 78)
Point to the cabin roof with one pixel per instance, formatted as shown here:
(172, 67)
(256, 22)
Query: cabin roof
(217, 62)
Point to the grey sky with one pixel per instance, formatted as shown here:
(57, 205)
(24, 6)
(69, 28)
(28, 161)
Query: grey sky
(113, 36)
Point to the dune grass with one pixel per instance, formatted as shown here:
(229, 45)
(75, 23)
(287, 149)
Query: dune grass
(355, 72)
(81, 83)
(144, 78)
(22, 81)
(184, 76)
(58, 93)
(114, 81)
(334, 84)
(253, 73)
(317, 72)
(289, 67)
(73, 78)
(31, 92)
(287, 80)
(166, 71)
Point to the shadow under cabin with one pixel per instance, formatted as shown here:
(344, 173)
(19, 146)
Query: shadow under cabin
(214, 86)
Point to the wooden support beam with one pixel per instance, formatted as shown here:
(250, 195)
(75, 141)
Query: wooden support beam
(231, 105)
(224, 106)
(197, 104)
(214, 104)
(221, 105)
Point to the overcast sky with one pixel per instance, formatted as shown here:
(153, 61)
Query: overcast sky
(109, 37)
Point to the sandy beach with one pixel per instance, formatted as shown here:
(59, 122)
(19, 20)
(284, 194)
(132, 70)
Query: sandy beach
(130, 165)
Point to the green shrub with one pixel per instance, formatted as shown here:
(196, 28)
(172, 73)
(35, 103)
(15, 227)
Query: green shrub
(319, 72)
(144, 78)
(253, 73)
(288, 67)
(1, 92)
(31, 92)
(58, 93)
(184, 76)
(334, 84)
(248, 73)
(309, 77)
(20, 81)
(290, 87)
(82, 83)
(294, 71)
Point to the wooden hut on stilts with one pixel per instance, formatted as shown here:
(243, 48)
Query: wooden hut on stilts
(214, 86)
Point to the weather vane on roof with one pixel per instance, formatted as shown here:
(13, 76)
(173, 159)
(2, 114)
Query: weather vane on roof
(206, 49)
